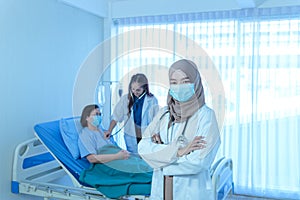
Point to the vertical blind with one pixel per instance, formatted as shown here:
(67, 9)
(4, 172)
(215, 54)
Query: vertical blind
(257, 55)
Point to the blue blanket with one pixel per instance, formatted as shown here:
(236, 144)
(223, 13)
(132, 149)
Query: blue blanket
(119, 177)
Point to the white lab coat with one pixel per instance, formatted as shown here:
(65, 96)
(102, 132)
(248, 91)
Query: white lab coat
(149, 110)
(191, 173)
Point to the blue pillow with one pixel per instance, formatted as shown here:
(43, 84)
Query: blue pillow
(70, 129)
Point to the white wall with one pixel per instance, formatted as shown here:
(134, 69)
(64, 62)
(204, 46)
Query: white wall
(42, 45)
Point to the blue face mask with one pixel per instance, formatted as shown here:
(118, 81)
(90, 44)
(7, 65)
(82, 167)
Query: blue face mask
(182, 92)
(97, 119)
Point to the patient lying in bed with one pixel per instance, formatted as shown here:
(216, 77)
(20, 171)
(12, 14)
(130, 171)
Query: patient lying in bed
(110, 165)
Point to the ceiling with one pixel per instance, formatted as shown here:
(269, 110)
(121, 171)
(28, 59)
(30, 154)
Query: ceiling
(127, 8)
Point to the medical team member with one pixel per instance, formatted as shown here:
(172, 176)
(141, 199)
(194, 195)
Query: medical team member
(182, 140)
(136, 110)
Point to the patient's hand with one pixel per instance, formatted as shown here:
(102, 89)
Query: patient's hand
(123, 155)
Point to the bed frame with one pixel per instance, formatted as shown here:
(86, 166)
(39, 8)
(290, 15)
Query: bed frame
(42, 179)
(38, 171)
(222, 178)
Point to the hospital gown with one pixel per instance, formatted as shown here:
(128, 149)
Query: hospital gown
(90, 141)
(191, 173)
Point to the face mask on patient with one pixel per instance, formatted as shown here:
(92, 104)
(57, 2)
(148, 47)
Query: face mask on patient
(96, 120)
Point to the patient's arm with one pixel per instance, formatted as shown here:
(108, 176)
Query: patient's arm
(104, 158)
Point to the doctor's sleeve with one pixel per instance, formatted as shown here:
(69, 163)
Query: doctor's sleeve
(154, 109)
(156, 155)
(120, 109)
(201, 159)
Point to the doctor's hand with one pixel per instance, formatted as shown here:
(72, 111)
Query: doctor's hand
(107, 134)
(156, 139)
(197, 143)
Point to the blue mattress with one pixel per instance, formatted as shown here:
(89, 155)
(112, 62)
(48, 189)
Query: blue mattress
(49, 133)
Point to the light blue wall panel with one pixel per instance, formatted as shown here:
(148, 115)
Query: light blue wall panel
(42, 45)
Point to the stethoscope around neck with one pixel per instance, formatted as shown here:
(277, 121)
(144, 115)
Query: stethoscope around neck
(181, 141)
(129, 113)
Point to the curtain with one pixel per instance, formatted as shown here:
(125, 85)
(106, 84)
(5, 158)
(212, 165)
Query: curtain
(256, 53)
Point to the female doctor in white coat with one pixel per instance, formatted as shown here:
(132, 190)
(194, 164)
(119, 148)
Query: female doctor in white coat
(136, 109)
(182, 140)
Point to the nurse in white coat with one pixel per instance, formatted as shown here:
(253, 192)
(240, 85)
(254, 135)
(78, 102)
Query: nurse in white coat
(136, 109)
(182, 140)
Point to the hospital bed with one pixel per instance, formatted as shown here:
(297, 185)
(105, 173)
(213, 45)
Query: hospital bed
(44, 167)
